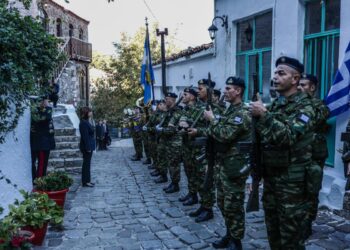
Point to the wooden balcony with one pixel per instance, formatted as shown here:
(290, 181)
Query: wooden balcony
(80, 50)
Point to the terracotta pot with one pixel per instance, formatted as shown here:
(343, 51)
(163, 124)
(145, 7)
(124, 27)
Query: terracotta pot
(39, 234)
(58, 196)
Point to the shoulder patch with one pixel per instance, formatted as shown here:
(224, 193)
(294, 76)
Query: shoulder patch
(237, 120)
(304, 118)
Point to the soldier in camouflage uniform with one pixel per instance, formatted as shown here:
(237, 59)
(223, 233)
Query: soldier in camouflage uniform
(172, 142)
(286, 130)
(187, 120)
(136, 134)
(145, 140)
(205, 211)
(308, 84)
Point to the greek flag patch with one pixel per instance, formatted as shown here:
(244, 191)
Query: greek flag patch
(237, 120)
(304, 118)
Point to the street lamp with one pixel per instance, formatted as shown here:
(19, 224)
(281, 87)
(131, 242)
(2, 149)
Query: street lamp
(213, 29)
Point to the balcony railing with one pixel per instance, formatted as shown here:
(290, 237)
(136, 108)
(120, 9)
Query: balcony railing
(80, 50)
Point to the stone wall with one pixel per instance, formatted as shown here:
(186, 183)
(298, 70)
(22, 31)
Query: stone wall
(32, 11)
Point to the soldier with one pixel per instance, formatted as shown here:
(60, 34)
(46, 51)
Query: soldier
(228, 131)
(145, 140)
(286, 129)
(137, 134)
(187, 120)
(308, 84)
(205, 211)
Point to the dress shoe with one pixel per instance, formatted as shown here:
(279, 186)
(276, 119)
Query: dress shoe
(205, 215)
(155, 173)
(223, 242)
(234, 244)
(88, 185)
(191, 201)
(185, 197)
(172, 189)
(161, 179)
(147, 161)
(197, 212)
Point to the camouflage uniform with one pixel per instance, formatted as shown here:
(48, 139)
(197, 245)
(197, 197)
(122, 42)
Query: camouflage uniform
(227, 131)
(136, 134)
(153, 121)
(286, 133)
(144, 135)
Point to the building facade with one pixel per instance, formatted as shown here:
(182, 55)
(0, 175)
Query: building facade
(73, 74)
(257, 33)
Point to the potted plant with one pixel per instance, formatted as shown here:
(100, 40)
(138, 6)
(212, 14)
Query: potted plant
(34, 213)
(13, 238)
(55, 185)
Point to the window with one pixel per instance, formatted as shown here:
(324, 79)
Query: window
(58, 27)
(44, 19)
(81, 34)
(71, 30)
(254, 41)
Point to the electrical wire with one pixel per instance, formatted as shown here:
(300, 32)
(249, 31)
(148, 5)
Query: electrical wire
(150, 10)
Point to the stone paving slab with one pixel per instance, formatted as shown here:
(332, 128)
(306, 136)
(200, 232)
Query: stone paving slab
(127, 210)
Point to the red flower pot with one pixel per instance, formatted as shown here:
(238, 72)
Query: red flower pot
(58, 196)
(39, 234)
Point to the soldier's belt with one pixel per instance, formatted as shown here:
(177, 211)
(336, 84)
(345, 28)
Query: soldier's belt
(275, 157)
(199, 141)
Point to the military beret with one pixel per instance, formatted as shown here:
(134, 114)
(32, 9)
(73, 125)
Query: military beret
(291, 62)
(206, 82)
(169, 94)
(310, 77)
(217, 92)
(192, 91)
(237, 81)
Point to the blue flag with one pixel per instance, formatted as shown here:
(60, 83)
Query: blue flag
(147, 75)
(338, 96)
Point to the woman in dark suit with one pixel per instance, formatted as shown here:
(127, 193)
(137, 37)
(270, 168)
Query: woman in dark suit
(87, 145)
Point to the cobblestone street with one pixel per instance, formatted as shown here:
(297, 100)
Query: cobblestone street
(127, 210)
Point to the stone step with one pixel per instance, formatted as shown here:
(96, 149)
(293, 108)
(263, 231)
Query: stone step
(65, 153)
(70, 138)
(64, 131)
(68, 163)
(67, 145)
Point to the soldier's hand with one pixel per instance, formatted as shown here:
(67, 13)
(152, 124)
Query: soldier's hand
(192, 131)
(257, 108)
(209, 115)
(348, 172)
(183, 124)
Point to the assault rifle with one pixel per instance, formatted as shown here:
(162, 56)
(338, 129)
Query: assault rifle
(208, 182)
(255, 157)
(169, 114)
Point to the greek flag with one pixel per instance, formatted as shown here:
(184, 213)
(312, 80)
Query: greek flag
(338, 97)
(147, 76)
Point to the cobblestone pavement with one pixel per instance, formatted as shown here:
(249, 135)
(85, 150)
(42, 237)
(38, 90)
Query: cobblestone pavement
(127, 210)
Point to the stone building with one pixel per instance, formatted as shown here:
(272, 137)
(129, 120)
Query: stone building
(73, 74)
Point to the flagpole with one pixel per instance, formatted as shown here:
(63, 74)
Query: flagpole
(147, 34)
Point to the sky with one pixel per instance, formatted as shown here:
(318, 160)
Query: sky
(190, 18)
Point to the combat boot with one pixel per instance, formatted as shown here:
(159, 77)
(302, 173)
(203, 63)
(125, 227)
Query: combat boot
(197, 212)
(191, 201)
(223, 242)
(169, 186)
(235, 244)
(136, 158)
(161, 179)
(147, 161)
(174, 188)
(205, 215)
(150, 167)
(185, 198)
(155, 173)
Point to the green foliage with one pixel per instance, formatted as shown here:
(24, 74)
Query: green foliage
(35, 210)
(28, 57)
(122, 87)
(54, 181)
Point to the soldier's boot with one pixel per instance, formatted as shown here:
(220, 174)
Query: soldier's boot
(191, 201)
(185, 197)
(235, 244)
(197, 212)
(147, 161)
(223, 242)
(155, 173)
(169, 186)
(174, 188)
(206, 214)
(161, 179)
(136, 158)
(151, 167)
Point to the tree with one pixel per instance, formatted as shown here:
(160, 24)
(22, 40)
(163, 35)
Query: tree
(122, 88)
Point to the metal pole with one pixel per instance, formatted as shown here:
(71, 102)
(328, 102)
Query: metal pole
(162, 34)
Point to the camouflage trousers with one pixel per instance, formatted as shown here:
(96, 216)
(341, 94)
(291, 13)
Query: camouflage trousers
(171, 157)
(230, 188)
(161, 157)
(286, 210)
(146, 146)
(137, 140)
(153, 149)
(189, 167)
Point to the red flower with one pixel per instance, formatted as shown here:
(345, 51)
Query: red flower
(17, 241)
